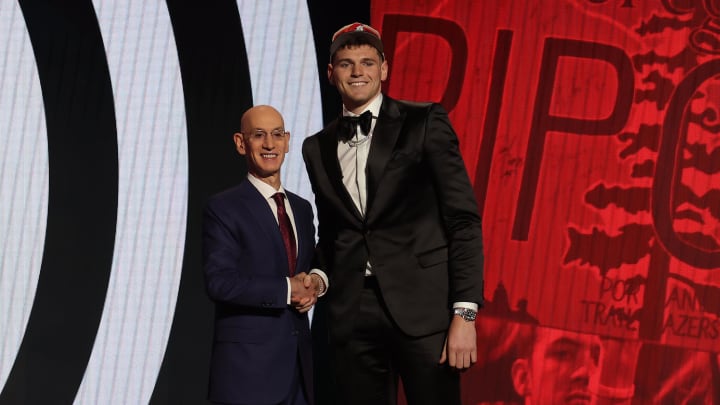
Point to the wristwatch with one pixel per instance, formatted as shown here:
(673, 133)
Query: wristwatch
(465, 313)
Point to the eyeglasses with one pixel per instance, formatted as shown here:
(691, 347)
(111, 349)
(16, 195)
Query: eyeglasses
(260, 135)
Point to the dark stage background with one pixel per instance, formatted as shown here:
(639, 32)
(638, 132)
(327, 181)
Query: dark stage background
(589, 129)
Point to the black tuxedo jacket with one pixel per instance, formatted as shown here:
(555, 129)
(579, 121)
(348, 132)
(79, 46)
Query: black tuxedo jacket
(258, 339)
(421, 232)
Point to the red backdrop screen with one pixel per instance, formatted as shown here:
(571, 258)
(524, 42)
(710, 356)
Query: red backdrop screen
(590, 132)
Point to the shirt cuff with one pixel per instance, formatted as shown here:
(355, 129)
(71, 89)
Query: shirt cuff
(324, 279)
(289, 290)
(468, 305)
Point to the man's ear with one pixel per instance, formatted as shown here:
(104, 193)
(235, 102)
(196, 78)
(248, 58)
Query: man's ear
(330, 70)
(521, 376)
(239, 143)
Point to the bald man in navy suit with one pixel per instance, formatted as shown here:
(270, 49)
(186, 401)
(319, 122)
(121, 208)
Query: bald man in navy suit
(258, 242)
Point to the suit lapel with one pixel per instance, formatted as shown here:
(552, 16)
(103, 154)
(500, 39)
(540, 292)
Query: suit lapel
(329, 155)
(259, 209)
(384, 137)
(301, 229)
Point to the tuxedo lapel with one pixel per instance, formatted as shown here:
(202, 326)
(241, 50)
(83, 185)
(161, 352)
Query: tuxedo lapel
(329, 155)
(384, 137)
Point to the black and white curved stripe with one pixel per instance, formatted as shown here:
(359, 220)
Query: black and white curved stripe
(82, 205)
(23, 183)
(140, 102)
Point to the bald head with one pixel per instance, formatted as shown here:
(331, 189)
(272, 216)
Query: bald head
(255, 116)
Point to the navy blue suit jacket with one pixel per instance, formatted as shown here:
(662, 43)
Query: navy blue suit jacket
(259, 339)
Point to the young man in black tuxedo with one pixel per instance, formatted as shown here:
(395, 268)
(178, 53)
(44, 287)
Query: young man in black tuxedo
(399, 237)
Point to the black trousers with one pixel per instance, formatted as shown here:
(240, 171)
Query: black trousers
(368, 366)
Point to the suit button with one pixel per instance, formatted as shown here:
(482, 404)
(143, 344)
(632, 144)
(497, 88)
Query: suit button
(367, 232)
(295, 332)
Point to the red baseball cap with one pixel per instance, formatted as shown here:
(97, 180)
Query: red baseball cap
(356, 29)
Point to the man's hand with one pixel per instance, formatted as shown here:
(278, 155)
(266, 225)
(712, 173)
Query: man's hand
(315, 282)
(460, 349)
(302, 297)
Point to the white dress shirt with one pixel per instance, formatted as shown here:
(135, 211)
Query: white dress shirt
(353, 156)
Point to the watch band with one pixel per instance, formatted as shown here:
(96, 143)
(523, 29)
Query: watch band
(465, 313)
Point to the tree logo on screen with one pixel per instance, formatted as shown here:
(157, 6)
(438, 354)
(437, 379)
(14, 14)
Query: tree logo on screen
(673, 197)
(704, 22)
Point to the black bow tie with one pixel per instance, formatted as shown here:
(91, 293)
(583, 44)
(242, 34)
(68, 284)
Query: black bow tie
(348, 125)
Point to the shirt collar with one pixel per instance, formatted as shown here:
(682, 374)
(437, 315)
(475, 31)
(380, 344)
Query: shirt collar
(374, 107)
(265, 189)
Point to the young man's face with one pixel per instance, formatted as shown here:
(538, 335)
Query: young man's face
(358, 73)
(559, 370)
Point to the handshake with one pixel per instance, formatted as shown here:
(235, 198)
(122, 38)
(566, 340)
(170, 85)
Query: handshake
(304, 291)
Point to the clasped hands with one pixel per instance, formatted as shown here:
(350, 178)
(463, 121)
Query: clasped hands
(304, 290)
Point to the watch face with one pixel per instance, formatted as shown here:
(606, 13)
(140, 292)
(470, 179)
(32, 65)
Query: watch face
(465, 313)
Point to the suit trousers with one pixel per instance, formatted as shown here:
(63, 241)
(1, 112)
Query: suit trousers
(296, 396)
(369, 364)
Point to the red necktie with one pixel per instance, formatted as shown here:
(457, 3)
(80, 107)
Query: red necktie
(286, 231)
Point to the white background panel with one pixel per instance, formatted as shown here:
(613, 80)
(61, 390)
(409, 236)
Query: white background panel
(152, 203)
(284, 74)
(24, 175)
